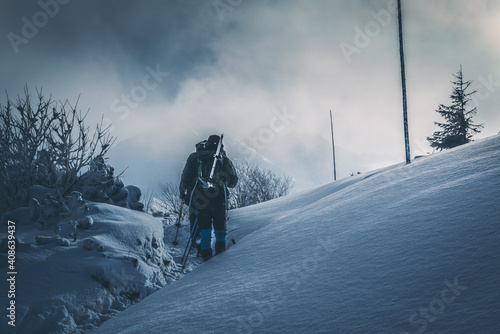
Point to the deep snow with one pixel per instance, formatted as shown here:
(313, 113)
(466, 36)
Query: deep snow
(70, 289)
(407, 249)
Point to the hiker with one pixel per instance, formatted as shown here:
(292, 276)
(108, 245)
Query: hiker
(207, 198)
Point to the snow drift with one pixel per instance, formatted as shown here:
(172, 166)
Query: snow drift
(70, 286)
(408, 249)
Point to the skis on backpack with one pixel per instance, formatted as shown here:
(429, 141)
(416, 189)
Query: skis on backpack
(208, 183)
(216, 156)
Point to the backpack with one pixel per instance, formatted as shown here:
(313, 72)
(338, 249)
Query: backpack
(206, 153)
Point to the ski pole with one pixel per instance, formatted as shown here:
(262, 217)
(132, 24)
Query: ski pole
(178, 224)
(225, 200)
(190, 242)
(227, 209)
(190, 239)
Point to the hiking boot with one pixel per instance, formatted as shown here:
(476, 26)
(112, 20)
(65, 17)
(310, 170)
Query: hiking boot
(206, 254)
(220, 246)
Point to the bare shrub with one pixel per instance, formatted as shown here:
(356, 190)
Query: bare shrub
(170, 201)
(257, 185)
(45, 144)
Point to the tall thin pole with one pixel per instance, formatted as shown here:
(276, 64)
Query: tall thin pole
(333, 148)
(403, 84)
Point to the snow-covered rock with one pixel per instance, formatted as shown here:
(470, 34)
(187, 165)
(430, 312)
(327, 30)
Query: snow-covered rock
(67, 286)
(99, 184)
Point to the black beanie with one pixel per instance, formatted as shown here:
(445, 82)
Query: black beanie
(212, 142)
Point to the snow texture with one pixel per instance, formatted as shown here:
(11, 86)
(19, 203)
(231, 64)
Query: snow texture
(67, 286)
(407, 249)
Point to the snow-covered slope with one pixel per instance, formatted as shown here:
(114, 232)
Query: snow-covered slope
(408, 249)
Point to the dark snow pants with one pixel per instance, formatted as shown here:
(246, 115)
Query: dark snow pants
(208, 212)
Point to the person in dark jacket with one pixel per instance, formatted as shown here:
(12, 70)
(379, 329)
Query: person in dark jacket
(207, 198)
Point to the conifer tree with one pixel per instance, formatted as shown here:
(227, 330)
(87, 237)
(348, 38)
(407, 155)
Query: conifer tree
(459, 127)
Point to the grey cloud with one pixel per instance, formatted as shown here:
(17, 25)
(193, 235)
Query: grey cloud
(231, 75)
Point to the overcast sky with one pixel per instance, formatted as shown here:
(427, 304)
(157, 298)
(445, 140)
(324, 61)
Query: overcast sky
(265, 73)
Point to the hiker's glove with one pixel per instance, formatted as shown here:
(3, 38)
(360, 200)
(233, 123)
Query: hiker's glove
(183, 194)
(223, 178)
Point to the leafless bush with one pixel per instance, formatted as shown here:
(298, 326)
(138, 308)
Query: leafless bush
(45, 144)
(148, 200)
(256, 185)
(170, 201)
